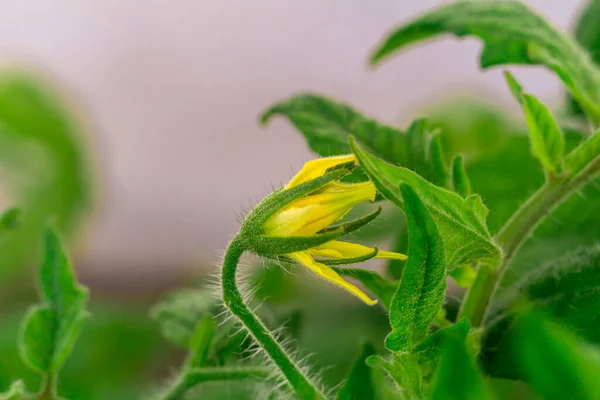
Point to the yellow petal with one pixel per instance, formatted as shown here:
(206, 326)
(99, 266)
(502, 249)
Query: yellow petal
(309, 214)
(337, 249)
(315, 168)
(329, 274)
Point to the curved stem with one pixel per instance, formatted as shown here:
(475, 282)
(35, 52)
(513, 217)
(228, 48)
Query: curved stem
(234, 301)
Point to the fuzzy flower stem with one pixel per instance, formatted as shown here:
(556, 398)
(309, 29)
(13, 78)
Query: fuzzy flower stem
(234, 301)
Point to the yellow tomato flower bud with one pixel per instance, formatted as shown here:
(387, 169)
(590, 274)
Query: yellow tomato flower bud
(310, 214)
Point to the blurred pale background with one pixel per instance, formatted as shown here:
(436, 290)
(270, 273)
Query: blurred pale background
(172, 90)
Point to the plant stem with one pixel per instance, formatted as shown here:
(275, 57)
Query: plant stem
(515, 232)
(195, 376)
(234, 301)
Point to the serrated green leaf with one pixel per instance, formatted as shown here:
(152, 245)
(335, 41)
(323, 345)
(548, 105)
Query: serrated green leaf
(41, 142)
(201, 342)
(382, 288)
(50, 330)
(461, 222)
(17, 391)
(359, 383)
(433, 345)
(583, 154)
(460, 179)
(512, 34)
(179, 312)
(326, 125)
(457, 376)
(554, 361)
(420, 294)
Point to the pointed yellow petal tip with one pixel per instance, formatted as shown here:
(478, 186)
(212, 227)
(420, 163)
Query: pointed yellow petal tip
(315, 168)
(391, 255)
(330, 275)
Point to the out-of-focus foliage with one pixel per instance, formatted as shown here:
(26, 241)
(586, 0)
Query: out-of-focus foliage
(46, 168)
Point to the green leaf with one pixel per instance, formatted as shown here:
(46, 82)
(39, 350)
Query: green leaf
(42, 146)
(382, 288)
(405, 370)
(17, 391)
(515, 87)
(200, 342)
(460, 179)
(583, 154)
(547, 139)
(566, 288)
(179, 313)
(461, 222)
(587, 34)
(50, 329)
(457, 376)
(9, 220)
(359, 384)
(433, 346)
(420, 294)
(440, 175)
(512, 34)
(326, 125)
(554, 361)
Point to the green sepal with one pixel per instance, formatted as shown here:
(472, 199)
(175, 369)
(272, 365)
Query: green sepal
(264, 245)
(355, 224)
(354, 260)
(254, 221)
(269, 246)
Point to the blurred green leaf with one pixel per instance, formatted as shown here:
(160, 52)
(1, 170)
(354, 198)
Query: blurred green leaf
(583, 154)
(460, 179)
(9, 220)
(48, 169)
(17, 391)
(50, 329)
(359, 384)
(405, 370)
(587, 34)
(420, 294)
(382, 288)
(512, 34)
(201, 342)
(434, 344)
(457, 376)
(439, 175)
(461, 222)
(554, 361)
(179, 312)
(566, 288)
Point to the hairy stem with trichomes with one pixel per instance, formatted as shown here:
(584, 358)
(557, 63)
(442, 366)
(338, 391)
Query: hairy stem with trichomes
(234, 301)
(514, 233)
